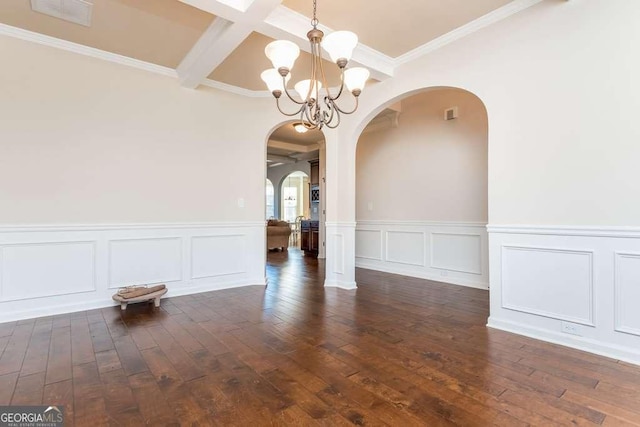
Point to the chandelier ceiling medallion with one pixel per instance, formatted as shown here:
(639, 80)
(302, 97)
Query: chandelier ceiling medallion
(317, 107)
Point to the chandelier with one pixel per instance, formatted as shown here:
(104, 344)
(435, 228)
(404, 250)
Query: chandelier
(317, 106)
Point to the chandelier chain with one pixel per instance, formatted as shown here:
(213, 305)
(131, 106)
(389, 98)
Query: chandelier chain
(314, 21)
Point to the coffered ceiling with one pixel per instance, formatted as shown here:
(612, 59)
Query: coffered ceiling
(220, 43)
(158, 31)
(394, 28)
(238, 71)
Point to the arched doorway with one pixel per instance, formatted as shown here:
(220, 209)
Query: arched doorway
(294, 196)
(296, 166)
(422, 189)
(341, 164)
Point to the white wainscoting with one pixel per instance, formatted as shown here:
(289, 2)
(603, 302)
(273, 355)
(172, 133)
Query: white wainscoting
(340, 268)
(578, 287)
(47, 270)
(448, 252)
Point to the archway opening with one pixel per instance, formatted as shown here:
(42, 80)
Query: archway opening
(295, 197)
(295, 167)
(422, 188)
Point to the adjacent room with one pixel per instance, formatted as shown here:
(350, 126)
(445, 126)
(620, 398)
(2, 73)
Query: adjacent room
(319, 212)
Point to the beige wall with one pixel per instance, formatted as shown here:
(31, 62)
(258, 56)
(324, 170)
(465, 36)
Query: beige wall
(562, 122)
(427, 168)
(87, 141)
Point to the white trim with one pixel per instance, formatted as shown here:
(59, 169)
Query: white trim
(340, 224)
(385, 268)
(425, 268)
(380, 240)
(506, 305)
(387, 258)
(286, 23)
(348, 286)
(111, 285)
(44, 40)
(282, 21)
(421, 223)
(236, 89)
(432, 264)
(36, 228)
(209, 276)
(490, 18)
(105, 303)
(94, 270)
(586, 344)
(30, 36)
(618, 296)
(567, 230)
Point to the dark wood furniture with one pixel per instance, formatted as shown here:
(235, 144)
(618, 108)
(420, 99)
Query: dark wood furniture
(309, 231)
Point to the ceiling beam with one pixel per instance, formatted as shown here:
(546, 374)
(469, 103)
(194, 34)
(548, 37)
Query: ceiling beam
(284, 23)
(280, 159)
(300, 148)
(222, 37)
(306, 156)
(231, 10)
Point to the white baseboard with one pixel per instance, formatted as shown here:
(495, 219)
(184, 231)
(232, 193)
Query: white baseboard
(612, 351)
(31, 313)
(425, 276)
(349, 286)
(54, 269)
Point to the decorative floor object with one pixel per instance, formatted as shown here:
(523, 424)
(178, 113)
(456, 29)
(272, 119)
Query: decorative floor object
(132, 294)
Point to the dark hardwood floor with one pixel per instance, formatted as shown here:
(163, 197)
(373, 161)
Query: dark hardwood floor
(398, 351)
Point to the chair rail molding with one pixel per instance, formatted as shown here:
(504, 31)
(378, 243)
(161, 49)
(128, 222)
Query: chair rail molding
(577, 286)
(444, 251)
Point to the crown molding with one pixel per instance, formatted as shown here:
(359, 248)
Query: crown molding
(282, 22)
(484, 21)
(236, 89)
(45, 40)
(30, 36)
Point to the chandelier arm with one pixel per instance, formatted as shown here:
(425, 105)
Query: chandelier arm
(286, 91)
(347, 112)
(331, 108)
(333, 98)
(337, 116)
(324, 78)
(312, 83)
(306, 110)
(305, 122)
(285, 113)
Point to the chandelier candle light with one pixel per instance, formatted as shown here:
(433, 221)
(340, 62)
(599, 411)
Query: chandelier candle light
(313, 113)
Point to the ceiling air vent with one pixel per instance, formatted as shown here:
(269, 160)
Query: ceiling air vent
(76, 11)
(451, 113)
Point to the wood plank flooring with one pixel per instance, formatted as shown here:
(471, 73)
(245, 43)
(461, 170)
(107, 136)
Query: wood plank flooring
(398, 351)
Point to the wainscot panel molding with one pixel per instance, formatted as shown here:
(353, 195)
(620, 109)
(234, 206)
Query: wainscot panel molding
(627, 292)
(574, 286)
(450, 252)
(339, 269)
(54, 269)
